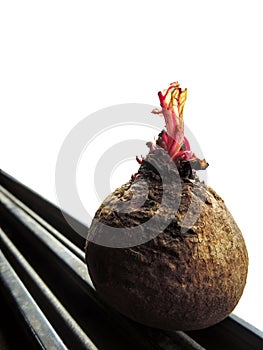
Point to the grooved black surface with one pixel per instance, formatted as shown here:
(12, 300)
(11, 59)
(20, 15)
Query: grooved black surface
(103, 326)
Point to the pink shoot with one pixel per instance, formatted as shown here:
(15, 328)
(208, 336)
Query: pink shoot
(173, 140)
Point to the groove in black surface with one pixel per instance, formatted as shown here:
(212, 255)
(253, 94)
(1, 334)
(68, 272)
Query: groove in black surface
(60, 319)
(12, 323)
(228, 335)
(45, 209)
(39, 329)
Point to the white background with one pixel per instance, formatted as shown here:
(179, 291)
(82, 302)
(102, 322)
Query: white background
(62, 60)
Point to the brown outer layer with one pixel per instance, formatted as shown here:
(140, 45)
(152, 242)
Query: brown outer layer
(176, 282)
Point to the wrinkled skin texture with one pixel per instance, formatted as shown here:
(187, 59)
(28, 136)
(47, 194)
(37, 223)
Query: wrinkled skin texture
(176, 281)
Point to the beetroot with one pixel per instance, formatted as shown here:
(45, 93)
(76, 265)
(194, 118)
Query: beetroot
(192, 273)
